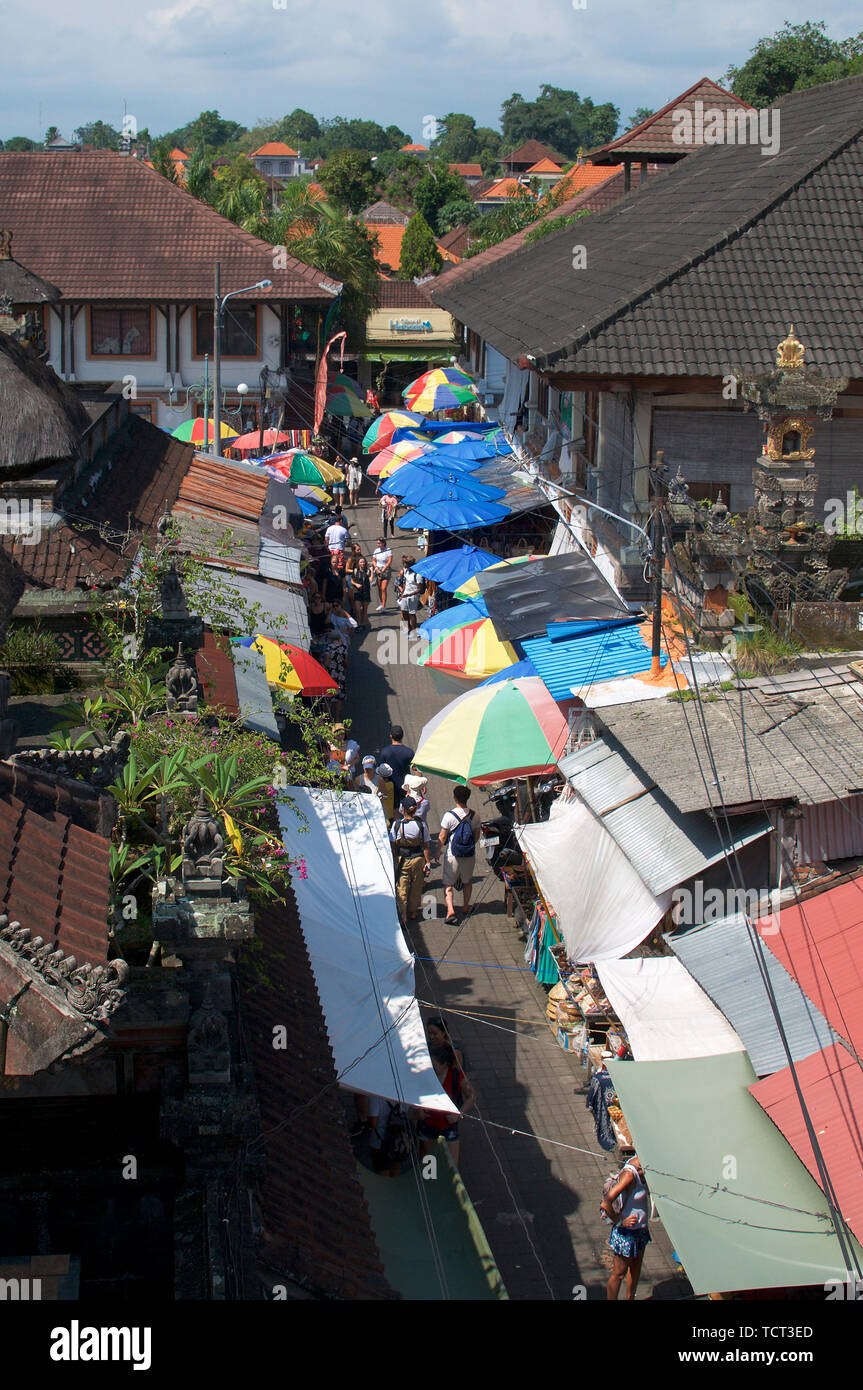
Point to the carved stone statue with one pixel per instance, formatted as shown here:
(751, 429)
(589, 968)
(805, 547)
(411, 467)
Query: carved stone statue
(172, 595)
(181, 684)
(203, 852)
(209, 1046)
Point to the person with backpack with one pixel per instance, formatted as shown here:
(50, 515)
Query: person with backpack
(410, 840)
(442, 1124)
(457, 844)
(389, 1136)
(626, 1202)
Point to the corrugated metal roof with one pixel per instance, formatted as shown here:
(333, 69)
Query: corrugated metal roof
(253, 692)
(720, 957)
(831, 830)
(579, 661)
(289, 615)
(278, 561)
(821, 944)
(665, 846)
(218, 496)
(833, 1085)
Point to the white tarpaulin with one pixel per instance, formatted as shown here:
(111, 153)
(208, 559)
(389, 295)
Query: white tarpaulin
(362, 966)
(602, 907)
(667, 1016)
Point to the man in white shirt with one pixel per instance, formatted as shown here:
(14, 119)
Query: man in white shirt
(382, 559)
(336, 536)
(456, 872)
(411, 839)
(354, 481)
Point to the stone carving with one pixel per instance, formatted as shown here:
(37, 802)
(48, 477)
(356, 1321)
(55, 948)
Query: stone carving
(209, 1046)
(181, 684)
(94, 991)
(172, 595)
(98, 766)
(203, 852)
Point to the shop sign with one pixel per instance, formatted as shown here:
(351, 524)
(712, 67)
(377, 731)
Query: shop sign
(410, 326)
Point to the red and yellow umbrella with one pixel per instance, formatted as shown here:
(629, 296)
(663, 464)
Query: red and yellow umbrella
(200, 431)
(472, 650)
(394, 455)
(290, 667)
(380, 432)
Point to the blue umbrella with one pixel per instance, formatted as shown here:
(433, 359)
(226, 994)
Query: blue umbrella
(471, 449)
(451, 568)
(432, 491)
(453, 617)
(453, 516)
(520, 668)
(413, 480)
(306, 507)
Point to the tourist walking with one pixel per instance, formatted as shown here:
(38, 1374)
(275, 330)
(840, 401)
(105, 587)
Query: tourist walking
(442, 1124)
(382, 559)
(457, 844)
(368, 780)
(399, 757)
(387, 791)
(336, 537)
(630, 1234)
(409, 599)
(410, 839)
(354, 481)
(389, 507)
(360, 590)
(416, 785)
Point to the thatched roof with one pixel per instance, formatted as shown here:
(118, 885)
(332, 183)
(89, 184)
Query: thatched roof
(22, 286)
(41, 418)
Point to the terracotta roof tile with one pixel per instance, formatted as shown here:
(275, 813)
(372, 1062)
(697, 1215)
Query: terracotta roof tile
(654, 135)
(530, 152)
(545, 166)
(274, 149)
(102, 226)
(467, 171)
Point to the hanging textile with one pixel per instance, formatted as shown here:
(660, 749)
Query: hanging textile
(546, 970)
(599, 1093)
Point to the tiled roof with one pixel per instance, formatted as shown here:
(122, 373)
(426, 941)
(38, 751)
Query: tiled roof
(316, 1223)
(403, 294)
(142, 483)
(503, 188)
(390, 239)
(411, 149)
(455, 241)
(545, 166)
(582, 176)
(102, 227)
(529, 153)
(467, 171)
(215, 496)
(705, 272)
(54, 880)
(653, 136)
(385, 212)
(274, 149)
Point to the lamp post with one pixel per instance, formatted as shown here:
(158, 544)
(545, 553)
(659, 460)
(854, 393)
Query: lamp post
(219, 302)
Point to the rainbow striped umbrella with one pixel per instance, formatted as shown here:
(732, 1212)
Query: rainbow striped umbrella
(394, 455)
(472, 649)
(471, 589)
(380, 432)
(290, 666)
(193, 431)
(510, 729)
(447, 388)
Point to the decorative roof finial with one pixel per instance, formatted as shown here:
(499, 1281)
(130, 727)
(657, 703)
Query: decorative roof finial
(790, 352)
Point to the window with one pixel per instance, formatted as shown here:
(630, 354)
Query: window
(120, 332)
(239, 331)
(542, 397)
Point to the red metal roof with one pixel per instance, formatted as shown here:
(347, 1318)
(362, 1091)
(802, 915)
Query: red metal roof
(102, 226)
(820, 943)
(216, 674)
(832, 1083)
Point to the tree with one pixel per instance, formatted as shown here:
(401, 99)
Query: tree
(642, 113)
(437, 186)
(787, 59)
(52, 133)
(348, 177)
(241, 194)
(420, 255)
(560, 119)
(160, 157)
(200, 181)
(99, 135)
(20, 142)
(513, 215)
(457, 140)
(299, 128)
(456, 214)
(208, 129)
(396, 138)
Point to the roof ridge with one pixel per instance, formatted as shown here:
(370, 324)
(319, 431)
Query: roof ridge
(663, 111)
(711, 247)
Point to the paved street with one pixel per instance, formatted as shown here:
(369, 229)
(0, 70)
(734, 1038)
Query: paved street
(538, 1201)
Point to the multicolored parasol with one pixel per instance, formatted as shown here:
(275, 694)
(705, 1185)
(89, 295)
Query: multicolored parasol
(193, 431)
(290, 667)
(473, 650)
(510, 729)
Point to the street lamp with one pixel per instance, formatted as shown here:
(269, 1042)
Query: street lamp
(219, 303)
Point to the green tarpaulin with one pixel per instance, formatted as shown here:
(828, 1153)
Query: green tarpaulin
(735, 1199)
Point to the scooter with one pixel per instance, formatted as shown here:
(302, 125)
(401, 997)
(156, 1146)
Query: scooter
(501, 847)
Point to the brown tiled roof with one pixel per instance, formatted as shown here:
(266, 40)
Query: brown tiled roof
(102, 226)
(403, 294)
(317, 1228)
(143, 481)
(467, 171)
(653, 136)
(54, 880)
(385, 212)
(455, 241)
(530, 153)
(274, 148)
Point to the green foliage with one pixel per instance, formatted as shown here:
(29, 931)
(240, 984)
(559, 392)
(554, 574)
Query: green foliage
(641, 114)
(512, 216)
(160, 157)
(98, 134)
(458, 139)
(553, 224)
(348, 177)
(299, 128)
(458, 213)
(22, 143)
(51, 134)
(796, 56)
(419, 254)
(208, 129)
(436, 186)
(560, 119)
(30, 645)
(200, 180)
(241, 194)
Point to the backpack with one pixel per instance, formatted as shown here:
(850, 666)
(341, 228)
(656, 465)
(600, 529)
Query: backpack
(462, 842)
(408, 849)
(396, 1143)
(617, 1202)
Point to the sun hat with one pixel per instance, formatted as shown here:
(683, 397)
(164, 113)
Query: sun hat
(368, 761)
(413, 782)
(384, 770)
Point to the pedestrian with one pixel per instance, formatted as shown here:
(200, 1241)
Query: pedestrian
(416, 785)
(336, 537)
(389, 507)
(390, 1136)
(368, 780)
(438, 1034)
(411, 588)
(387, 791)
(360, 590)
(340, 491)
(399, 757)
(410, 839)
(629, 1234)
(332, 585)
(442, 1124)
(457, 844)
(352, 556)
(345, 751)
(382, 559)
(355, 481)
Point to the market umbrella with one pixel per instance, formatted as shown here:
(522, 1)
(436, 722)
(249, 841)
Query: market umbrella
(451, 618)
(453, 516)
(470, 588)
(253, 439)
(468, 449)
(405, 451)
(450, 568)
(459, 435)
(380, 432)
(349, 383)
(192, 431)
(298, 467)
(312, 493)
(412, 482)
(511, 729)
(433, 491)
(521, 668)
(450, 376)
(473, 650)
(345, 403)
(290, 666)
(307, 506)
(439, 395)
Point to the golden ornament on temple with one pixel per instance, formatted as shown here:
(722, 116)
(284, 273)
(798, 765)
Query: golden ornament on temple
(790, 352)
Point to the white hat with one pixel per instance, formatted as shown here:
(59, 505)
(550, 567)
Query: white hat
(413, 783)
(385, 770)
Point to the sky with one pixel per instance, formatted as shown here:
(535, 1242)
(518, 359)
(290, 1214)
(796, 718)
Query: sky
(394, 61)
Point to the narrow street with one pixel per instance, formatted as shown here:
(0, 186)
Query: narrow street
(538, 1201)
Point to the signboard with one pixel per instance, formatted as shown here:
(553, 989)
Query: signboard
(410, 326)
